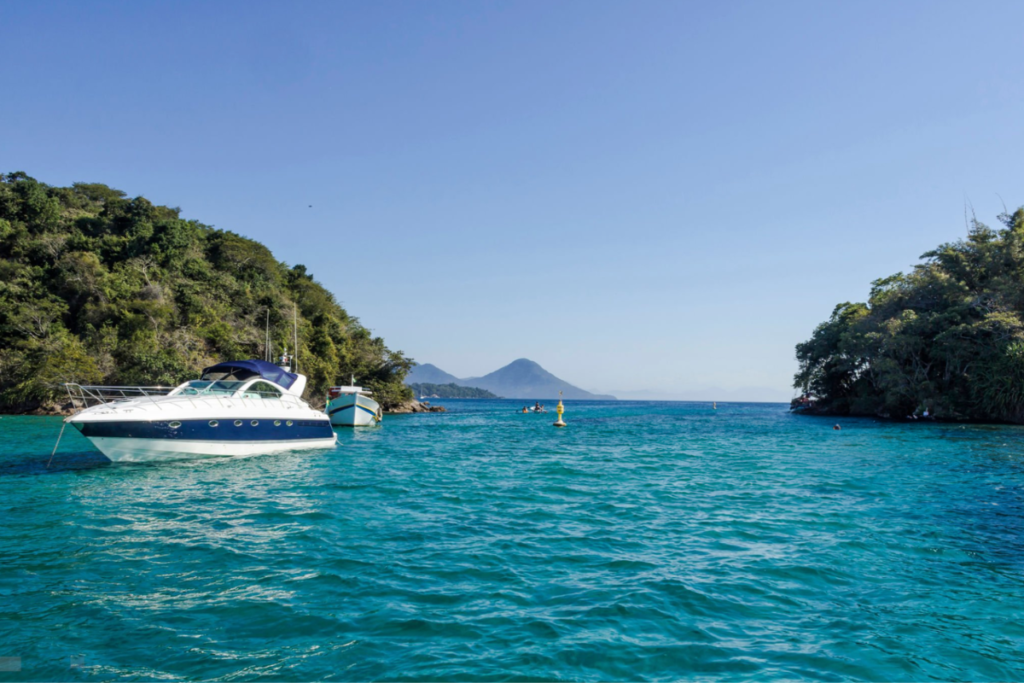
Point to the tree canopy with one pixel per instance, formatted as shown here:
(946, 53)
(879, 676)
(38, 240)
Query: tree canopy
(96, 287)
(947, 337)
(450, 390)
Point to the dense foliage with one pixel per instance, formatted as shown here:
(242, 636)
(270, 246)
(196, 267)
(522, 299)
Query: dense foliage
(947, 337)
(99, 288)
(426, 390)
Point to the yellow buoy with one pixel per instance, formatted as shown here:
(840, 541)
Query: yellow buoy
(559, 409)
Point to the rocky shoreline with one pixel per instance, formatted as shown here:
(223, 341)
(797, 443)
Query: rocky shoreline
(47, 409)
(415, 407)
(812, 410)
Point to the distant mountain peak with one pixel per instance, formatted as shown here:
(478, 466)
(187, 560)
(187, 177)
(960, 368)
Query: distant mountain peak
(524, 364)
(426, 373)
(522, 378)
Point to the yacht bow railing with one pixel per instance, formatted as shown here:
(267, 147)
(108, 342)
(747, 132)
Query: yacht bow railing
(88, 395)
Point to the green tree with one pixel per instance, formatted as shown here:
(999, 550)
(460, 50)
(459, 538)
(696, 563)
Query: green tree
(96, 287)
(948, 337)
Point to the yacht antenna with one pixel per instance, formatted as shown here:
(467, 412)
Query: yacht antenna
(266, 347)
(295, 321)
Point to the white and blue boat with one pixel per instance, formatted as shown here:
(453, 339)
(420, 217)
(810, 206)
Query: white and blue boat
(235, 408)
(351, 406)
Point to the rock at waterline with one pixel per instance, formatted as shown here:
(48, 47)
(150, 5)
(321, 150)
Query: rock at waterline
(415, 407)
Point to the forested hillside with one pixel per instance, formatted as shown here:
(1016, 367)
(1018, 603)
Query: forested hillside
(99, 288)
(449, 391)
(947, 338)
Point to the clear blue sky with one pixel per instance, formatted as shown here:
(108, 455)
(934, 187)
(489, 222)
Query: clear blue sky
(661, 196)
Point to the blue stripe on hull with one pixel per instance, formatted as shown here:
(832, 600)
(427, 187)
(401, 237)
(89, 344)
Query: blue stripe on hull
(200, 430)
(353, 405)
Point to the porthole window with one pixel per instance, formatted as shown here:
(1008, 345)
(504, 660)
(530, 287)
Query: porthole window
(175, 424)
(289, 423)
(238, 423)
(214, 423)
(277, 423)
(255, 423)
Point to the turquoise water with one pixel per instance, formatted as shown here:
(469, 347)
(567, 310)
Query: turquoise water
(646, 541)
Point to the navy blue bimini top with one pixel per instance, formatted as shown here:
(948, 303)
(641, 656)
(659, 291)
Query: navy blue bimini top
(260, 367)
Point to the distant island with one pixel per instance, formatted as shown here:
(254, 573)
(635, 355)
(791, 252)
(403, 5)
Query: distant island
(100, 288)
(521, 378)
(945, 341)
(451, 390)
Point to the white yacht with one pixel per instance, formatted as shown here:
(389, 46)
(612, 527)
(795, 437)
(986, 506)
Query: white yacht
(236, 408)
(352, 406)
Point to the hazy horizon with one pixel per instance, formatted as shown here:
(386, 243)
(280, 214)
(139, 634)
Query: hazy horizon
(697, 394)
(641, 197)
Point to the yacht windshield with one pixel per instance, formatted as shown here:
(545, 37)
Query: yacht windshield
(202, 386)
(240, 374)
(262, 390)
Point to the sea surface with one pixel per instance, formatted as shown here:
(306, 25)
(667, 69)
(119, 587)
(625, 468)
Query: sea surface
(645, 541)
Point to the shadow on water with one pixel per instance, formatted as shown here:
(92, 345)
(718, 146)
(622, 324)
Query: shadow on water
(34, 464)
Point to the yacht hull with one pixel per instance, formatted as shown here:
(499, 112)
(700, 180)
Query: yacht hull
(148, 440)
(154, 450)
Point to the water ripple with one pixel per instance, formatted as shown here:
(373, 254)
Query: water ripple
(647, 541)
